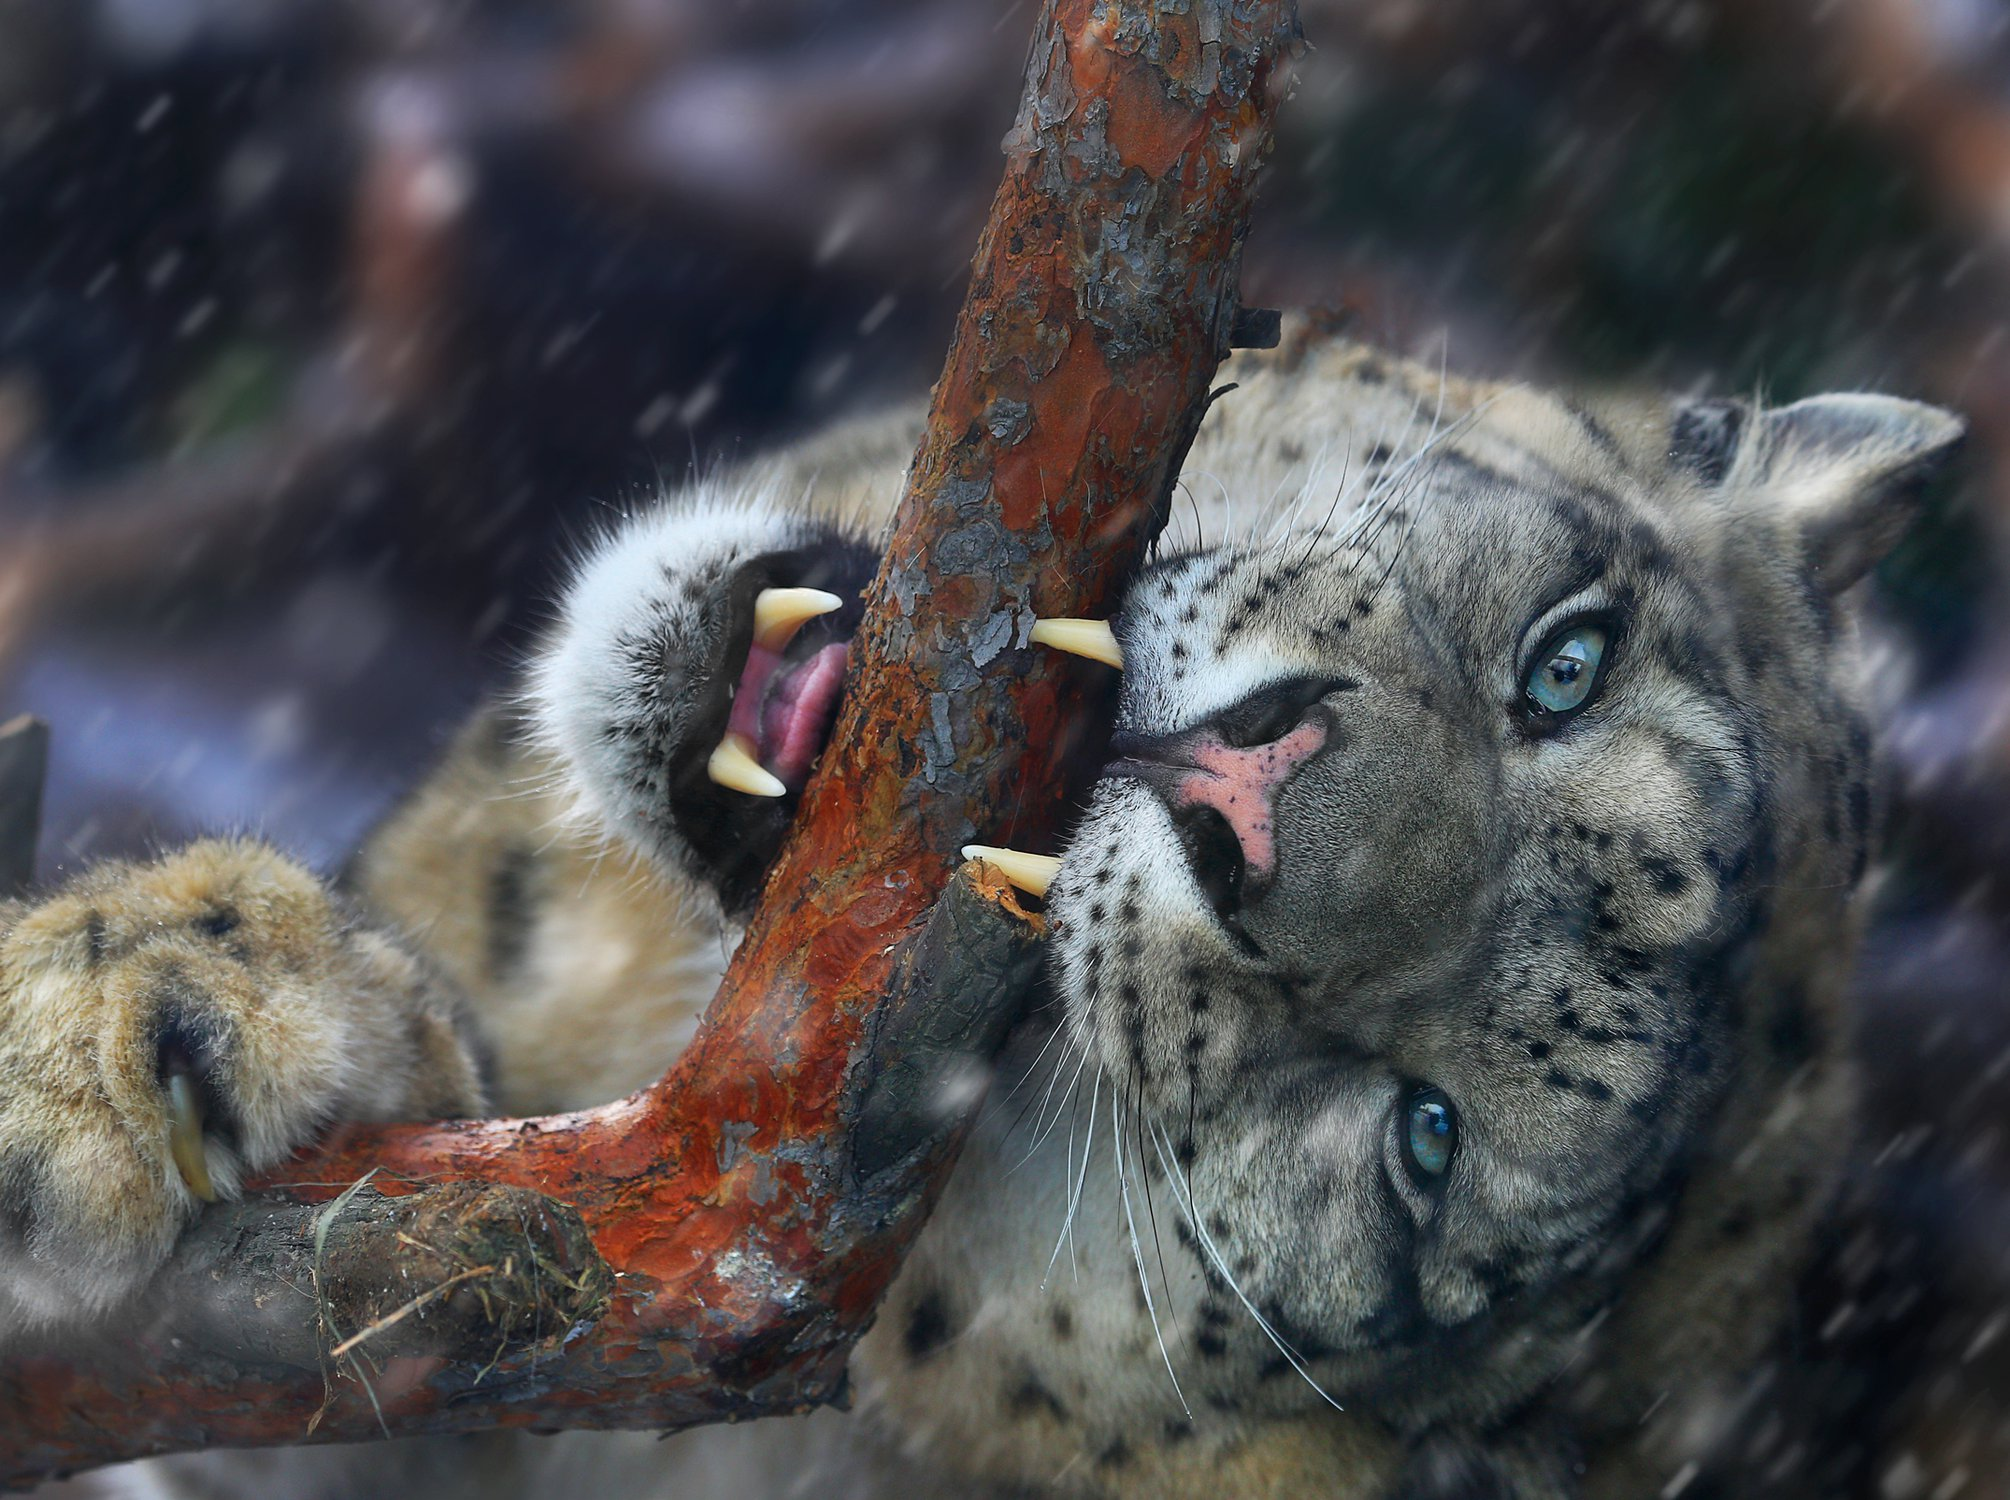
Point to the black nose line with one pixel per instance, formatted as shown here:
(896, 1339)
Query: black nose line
(1159, 759)
(1176, 748)
(1173, 751)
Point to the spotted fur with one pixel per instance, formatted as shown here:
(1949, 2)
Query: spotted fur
(1335, 860)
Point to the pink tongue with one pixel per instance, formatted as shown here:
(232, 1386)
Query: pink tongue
(1241, 786)
(799, 712)
(785, 712)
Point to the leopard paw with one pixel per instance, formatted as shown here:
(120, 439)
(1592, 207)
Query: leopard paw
(168, 1029)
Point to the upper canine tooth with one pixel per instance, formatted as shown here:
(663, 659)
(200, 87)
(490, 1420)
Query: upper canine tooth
(734, 766)
(780, 613)
(1091, 638)
(1029, 872)
(185, 1136)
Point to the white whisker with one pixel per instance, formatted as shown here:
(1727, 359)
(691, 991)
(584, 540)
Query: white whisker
(1040, 1133)
(1206, 1240)
(1312, 483)
(1137, 1251)
(1067, 1234)
(993, 1110)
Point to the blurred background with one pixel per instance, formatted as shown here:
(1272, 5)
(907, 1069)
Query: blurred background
(326, 324)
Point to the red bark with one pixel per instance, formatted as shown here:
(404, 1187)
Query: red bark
(748, 1253)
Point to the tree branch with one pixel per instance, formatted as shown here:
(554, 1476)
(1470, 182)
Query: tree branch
(753, 1206)
(24, 765)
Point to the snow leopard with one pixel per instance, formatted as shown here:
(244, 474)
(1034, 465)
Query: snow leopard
(1448, 1061)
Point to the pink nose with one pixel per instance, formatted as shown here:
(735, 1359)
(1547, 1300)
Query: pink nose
(1242, 786)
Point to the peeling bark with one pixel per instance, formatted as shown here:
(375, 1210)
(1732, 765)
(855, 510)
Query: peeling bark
(754, 1205)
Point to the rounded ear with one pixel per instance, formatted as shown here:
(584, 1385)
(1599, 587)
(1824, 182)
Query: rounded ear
(1846, 472)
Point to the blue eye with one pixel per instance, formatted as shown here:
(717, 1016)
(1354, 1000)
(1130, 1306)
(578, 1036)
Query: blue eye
(1566, 669)
(1432, 1130)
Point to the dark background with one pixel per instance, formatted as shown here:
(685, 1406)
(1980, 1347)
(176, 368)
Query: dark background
(327, 326)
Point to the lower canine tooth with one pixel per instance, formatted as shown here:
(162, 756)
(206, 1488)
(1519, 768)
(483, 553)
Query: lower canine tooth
(1030, 872)
(780, 613)
(734, 766)
(1091, 638)
(185, 1136)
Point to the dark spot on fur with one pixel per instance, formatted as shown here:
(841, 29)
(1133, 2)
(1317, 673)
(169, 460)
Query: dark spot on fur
(1704, 437)
(1276, 1367)
(928, 1327)
(508, 911)
(1498, 1273)
(1593, 429)
(217, 923)
(1030, 1398)
(1062, 1321)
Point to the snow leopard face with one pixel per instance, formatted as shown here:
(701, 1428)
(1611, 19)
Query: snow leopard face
(1425, 907)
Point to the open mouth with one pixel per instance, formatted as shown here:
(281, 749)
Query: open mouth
(784, 708)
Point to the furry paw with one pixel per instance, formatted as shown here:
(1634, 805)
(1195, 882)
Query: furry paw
(683, 694)
(168, 1028)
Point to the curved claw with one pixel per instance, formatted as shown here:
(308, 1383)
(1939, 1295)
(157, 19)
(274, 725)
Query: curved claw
(185, 1143)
